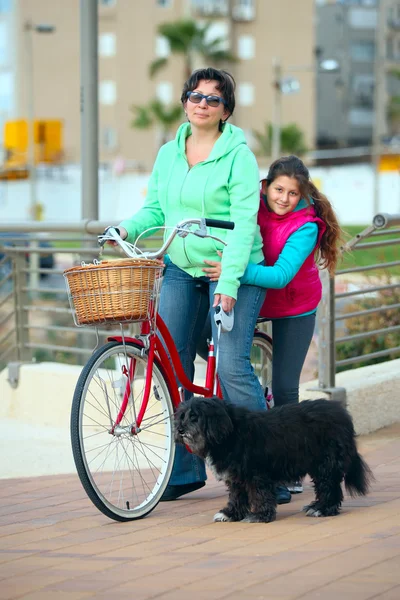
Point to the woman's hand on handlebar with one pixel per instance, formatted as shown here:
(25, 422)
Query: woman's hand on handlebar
(123, 234)
(214, 269)
(227, 302)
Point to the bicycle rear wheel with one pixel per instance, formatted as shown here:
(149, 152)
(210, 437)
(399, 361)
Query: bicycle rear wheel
(123, 473)
(261, 360)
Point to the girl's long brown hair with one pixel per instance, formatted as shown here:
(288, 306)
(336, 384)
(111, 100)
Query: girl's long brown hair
(292, 166)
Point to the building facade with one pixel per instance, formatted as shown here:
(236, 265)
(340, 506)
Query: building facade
(256, 31)
(364, 36)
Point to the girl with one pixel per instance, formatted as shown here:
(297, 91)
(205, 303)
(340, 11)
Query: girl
(300, 232)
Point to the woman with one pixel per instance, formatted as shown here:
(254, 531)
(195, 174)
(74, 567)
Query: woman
(207, 171)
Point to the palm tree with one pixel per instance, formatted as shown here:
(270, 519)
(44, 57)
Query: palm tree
(188, 38)
(292, 140)
(157, 113)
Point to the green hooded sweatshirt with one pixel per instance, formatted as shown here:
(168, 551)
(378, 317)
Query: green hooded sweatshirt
(224, 186)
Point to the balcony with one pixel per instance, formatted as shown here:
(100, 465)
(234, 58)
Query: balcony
(363, 100)
(211, 8)
(244, 10)
(394, 23)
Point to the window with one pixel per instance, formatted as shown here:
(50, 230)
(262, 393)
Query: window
(362, 51)
(363, 18)
(363, 89)
(250, 139)
(361, 117)
(218, 30)
(246, 94)
(107, 92)
(107, 2)
(245, 3)
(162, 47)
(107, 44)
(246, 47)
(243, 10)
(165, 92)
(109, 138)
(211, 7)
(4, 45)
(6, 91)
(164, 3)
(5, 6)
(390, 48)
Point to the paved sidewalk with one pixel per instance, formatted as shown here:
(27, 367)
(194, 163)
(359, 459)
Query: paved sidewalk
(55, 545)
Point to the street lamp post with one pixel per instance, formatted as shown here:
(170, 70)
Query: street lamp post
(379, 100)
(289, 85)
(277, 110)
(30, 28)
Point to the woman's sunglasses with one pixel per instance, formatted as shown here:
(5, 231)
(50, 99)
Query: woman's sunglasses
(196, 98)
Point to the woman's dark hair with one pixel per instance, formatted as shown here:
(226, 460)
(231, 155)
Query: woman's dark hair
(226, 85)
(293, 167)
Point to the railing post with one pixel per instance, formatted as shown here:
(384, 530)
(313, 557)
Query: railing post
(20, 300)
(326, 329)
(327, 346)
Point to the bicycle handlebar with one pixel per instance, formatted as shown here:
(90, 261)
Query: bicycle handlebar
(218, 224)
(181, 229)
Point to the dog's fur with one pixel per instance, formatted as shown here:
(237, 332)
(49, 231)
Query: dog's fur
(253, 451)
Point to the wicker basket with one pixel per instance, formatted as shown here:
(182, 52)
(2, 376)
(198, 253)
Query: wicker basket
(113, 291)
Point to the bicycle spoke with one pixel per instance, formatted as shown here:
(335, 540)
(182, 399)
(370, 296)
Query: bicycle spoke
(123, 468)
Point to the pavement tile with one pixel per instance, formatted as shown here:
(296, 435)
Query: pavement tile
(54, 544)
(392, 594)
(49, 595)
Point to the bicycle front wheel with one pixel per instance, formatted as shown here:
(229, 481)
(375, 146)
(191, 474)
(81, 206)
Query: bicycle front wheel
(261, 360)
(123, 469)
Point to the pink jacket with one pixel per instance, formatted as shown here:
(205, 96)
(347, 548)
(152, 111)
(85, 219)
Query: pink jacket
(304, 292)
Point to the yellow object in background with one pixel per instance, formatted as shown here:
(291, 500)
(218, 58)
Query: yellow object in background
(317, 181)
(48, 142)
(389, 162)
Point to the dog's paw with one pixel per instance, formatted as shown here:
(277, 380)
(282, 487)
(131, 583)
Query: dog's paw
(220, 517)
(310, 506)
(253, 518)
(320, 511)
(314, 512)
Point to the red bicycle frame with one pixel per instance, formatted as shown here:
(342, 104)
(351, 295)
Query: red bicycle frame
(172, 368)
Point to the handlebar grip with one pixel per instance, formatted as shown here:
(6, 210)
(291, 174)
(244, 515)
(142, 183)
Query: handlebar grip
(218, 224)
(102, 242)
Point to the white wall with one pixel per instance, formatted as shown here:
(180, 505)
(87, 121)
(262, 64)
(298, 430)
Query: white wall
(349, 188)
(35, 416)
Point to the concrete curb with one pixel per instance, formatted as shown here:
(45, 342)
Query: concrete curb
(373, 395)
(35, 416)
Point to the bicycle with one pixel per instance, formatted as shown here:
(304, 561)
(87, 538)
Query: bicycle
(261, 360)
(124, 401)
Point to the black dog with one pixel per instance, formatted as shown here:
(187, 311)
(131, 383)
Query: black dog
(252, 451)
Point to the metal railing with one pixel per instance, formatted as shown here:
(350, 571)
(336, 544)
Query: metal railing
(36, 321)
(335, 312)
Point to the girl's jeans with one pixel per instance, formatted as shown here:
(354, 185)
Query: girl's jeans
(291, 338)
(184, 304)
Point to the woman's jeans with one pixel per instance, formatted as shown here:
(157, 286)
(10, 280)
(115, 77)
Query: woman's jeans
(291, 341)
(184, 305)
